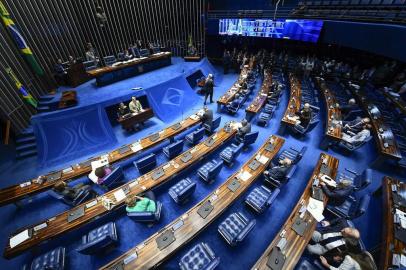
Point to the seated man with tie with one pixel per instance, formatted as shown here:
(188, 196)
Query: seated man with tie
(207, 116)
(359, 137)
(356, 125)
(279, 172)
(304, 116)
(135, 106)
(122, 110)
(68, 192)
(134, 51)
(244, 129)
(337, 195)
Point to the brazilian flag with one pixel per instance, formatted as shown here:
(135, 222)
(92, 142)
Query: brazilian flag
(25, 94)
(19, 40)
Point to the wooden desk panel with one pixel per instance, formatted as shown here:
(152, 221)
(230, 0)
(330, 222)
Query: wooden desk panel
(333, 131)
(134, 119)
(378, 125)
(260, 100)
(191, 223)
(390, 244)
(29, 188)
(59, 225)
(101, 71)
(294, 100)
(295, 243)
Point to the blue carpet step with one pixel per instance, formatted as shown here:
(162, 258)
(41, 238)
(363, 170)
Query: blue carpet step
(46, 98)
(25, 154)
(29, 131)
(26, 146)
(24, 140)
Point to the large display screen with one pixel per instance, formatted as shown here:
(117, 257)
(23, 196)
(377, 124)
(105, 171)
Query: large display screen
(304, 30)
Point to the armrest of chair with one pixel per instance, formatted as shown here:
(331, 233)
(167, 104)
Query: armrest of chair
(291, 172)
(213, 264)
(273, 196)
(82, 195)
(246, 230)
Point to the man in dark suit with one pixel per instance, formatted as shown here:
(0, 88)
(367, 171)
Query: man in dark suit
(305, 115)
(207, 116)
(337, 195)
(134, 51)
(209, 89)
(356, 125)
(279, 172)
(244, 129)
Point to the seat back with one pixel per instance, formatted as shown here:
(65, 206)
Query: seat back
(114, 177)
(146, 164)
(144, 52)
(109, 60)
(98, 239)
(199, 257)
(363, 180)
(89, 65)
(54, 259)
(147, 216)
(213, 172)
(198, 134)
(362, 206)
(121, 56)
(174, 149)
(182, 190)
(250, 138)
(216, 123)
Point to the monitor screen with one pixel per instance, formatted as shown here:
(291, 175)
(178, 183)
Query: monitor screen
(304, 30)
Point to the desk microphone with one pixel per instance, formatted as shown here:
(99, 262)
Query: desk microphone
(136, 88)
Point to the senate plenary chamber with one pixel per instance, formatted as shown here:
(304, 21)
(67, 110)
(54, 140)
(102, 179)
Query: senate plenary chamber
(203, 134)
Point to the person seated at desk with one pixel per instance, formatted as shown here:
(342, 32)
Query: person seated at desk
(102, 173)
(69, 192)
(135, 52)
(207, 116)
(357, 138)
(141, 204)
(337, 195)
(355, 125)
(71, 60)
(279, 172)
(350, 106)
(244, 129)
(331, 241)
(91, 54)
(122, 109)
(191, 50)
(304, 116)
(135, 106)
(60, 72)
(236, 101)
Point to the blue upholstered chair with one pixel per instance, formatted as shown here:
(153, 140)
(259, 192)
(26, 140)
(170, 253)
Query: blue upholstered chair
(99, 239)
(277, 183)
(263, 119)
(52, 260)
(269, 108)
(121, 56)
(351, 208)
(89, 65)
(261, 198)
(195, 136)
(359, 181)
(182, 190)
(293, 154)
(248, 139)
(209, 171)
(173, 149)
(200, 257)
(83, 194)
(231, 153)
(313, 121)
(109, 60)
(146, 164)
(114, 179)
(235, 228)
(307, 265)
(234, 106)
(147, 216)
(144, 52)
(214, 125)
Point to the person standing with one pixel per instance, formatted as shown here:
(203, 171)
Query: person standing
(209, 88)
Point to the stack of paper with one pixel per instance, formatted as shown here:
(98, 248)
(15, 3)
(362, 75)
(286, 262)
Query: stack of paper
(135, 147)
(244, 176)
(19, 238)
(263, 159)
(315, 208)
(400, 218)
(119, 195)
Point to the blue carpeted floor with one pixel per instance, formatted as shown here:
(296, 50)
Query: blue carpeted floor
(130, 233)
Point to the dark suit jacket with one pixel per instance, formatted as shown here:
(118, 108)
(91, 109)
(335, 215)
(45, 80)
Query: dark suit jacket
(207, 117)
(279, 172)
(337, 196)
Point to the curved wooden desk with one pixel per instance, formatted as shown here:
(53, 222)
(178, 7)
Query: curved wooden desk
(29, 188)
(294, 101)
(63, 223)
(148, 255)
(260, 100)
(295, 244)
(390, 244)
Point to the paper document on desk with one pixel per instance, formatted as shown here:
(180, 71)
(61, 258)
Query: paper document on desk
(19, 238)
(92, 176)
(194, 117)
(244, 176)
(326, 179)
(135, 147)
(119, 195)
(315, 208)
(263, 159)
(100, 163)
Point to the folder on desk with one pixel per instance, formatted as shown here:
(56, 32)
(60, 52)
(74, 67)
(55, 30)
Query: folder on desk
(276, 259)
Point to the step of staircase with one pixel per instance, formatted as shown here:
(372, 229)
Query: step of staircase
(25, 154)
(25, 147)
